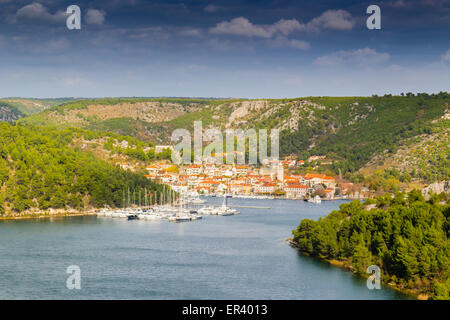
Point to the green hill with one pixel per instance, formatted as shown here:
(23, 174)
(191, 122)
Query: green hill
(349, 131)
(30, 106)
(423, 157)
(42, 168)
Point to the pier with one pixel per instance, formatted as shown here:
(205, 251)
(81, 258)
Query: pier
(235, 206)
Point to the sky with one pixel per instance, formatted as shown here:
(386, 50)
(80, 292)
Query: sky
(230, 48)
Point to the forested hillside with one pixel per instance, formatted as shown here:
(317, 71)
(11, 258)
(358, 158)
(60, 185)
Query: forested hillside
(425, 157)
(31, 106)
(406, 237)
(138, 117)
(349, 131)
(43, 168)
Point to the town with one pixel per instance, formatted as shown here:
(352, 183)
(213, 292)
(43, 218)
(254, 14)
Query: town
(272, 179)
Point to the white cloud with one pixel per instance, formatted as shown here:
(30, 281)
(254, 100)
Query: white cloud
(36, 12)
(243, 27)
(365, 56)
(332, 19)
(286, 27)
(446, 56)
(281, 41)
(94, 16)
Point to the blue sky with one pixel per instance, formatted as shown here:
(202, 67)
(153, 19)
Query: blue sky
(232, 48)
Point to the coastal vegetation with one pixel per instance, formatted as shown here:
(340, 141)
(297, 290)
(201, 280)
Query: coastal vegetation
(42, 168)
(406, 236)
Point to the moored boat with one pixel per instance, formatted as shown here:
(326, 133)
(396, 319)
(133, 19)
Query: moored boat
(316, 199)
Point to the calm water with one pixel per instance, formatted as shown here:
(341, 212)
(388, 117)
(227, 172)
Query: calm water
(234, 257)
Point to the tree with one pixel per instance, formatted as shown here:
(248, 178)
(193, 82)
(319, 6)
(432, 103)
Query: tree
(361, 258)
(408, 240)
(442, 291)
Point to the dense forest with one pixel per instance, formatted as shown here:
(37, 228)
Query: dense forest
(406, 236)
(40, 168)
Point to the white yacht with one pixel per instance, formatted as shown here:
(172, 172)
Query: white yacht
(196, 217)
(196, 201)
(224, 210)
(207, 211)
(182, 215)
(316, 199)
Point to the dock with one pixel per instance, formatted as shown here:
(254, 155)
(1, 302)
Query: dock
(235, 206)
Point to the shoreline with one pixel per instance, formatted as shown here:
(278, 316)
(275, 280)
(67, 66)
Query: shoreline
(47, 215)
(342, 264)
(280, 198)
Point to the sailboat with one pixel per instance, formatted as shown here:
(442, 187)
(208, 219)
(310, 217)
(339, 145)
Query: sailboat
(181, 215)
(224, 210)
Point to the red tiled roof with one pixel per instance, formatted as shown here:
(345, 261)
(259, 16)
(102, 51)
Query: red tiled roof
(269, 185)
(314, 175)
(296, 186)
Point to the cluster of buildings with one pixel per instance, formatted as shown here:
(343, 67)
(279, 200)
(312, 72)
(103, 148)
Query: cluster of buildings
(270, 179)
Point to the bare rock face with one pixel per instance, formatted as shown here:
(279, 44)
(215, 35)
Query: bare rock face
(9, 114)
(147, 111)
(437, 188)
(243, 108)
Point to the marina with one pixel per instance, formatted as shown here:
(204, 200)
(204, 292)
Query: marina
(243, 256)
(175, 210)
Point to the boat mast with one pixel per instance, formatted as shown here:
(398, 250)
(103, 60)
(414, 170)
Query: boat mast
(225, 198)
(139, 198)
(129, 198)
(123, 199)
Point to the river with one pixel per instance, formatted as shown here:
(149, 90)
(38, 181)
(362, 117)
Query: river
(233, 257)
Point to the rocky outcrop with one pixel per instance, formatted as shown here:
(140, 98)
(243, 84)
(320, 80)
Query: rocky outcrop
(437, 188)
(9, 114)
(243, 108)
